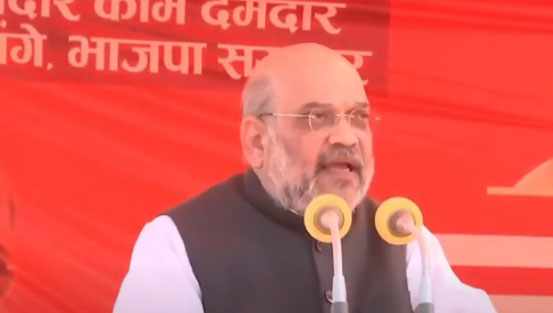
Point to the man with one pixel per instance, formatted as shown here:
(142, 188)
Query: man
(241, 247)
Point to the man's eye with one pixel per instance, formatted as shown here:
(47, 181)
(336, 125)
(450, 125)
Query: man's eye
(317, 115)
(362, 115)
(321, 115)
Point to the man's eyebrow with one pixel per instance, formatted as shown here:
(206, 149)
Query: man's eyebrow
(318, 105)
(314, 105)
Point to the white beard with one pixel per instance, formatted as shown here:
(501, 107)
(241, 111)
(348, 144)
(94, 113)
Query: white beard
(294, 192)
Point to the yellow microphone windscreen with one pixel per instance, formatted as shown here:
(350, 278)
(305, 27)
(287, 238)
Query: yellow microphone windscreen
(384, 215)
(318, 205)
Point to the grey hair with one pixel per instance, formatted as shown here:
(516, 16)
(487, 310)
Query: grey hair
(257, 96)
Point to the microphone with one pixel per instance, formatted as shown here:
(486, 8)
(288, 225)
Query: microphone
(399, 221)
(327, 218)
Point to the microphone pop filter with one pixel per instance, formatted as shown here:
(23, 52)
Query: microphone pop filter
(384, 219)
(317, 207)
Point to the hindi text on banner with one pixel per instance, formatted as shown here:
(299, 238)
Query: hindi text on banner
(26, 46)
(240, 59)
(242, 54)
(159, 10)
(32, 9)
(148, 55)
(281, 14)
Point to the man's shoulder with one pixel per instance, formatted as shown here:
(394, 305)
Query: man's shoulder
(215, 198)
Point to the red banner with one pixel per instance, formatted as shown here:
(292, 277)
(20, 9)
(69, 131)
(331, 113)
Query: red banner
(112, 112)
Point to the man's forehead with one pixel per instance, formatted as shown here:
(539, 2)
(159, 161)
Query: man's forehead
(293, 93)
(324, 85)
(310, 73)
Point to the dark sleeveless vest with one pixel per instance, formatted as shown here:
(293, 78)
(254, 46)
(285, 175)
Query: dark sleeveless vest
(251, 256)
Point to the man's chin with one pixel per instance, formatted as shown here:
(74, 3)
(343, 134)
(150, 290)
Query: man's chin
(339, 185)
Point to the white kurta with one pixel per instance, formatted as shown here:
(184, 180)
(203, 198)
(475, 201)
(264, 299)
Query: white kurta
(161, 279)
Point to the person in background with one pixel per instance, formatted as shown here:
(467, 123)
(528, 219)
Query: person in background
(6, 274)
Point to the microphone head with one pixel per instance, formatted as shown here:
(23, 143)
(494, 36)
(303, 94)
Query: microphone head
(386, 217)
(320, 205)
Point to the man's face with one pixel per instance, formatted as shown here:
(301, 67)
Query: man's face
(327, 147)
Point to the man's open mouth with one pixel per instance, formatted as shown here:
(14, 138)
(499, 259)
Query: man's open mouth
(349, 164)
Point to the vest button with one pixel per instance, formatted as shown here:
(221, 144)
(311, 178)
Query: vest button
(328, 296)
(318, 246)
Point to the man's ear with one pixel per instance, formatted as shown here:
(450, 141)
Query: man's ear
(252, 135)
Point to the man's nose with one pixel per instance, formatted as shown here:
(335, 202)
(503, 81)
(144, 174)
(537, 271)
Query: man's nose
(342, 133)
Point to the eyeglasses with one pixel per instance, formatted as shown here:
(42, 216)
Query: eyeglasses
(326, 119)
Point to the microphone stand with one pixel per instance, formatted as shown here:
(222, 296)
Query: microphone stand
(398, 221)
(339, 296)
(426, 305)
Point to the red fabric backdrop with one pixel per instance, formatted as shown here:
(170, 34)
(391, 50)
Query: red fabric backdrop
(464, 90)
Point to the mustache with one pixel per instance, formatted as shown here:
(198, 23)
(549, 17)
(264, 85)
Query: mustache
(340, 152)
